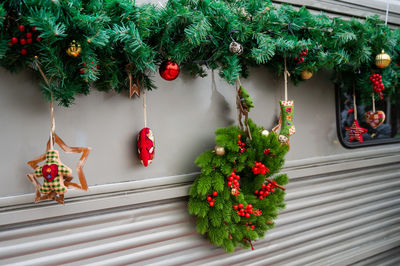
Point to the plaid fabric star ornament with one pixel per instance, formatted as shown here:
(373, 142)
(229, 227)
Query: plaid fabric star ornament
(356, 132)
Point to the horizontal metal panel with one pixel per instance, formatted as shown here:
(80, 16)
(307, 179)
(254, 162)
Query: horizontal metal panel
(333, 218)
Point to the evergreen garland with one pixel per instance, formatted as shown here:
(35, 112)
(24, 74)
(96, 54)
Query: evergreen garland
(118, 37)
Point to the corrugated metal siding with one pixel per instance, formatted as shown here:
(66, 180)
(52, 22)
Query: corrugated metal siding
(334, 216)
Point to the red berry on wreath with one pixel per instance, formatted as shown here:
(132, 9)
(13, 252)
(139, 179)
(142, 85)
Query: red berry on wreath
(235, 207)
(34, 28)
(14, 40)
(215, 193)
(229, 183)
(240, 205)
(209, 198)
(247, 215)
(252, 226)
(211, 203)
(169, 70)
(39, 39)
(22, 41)
(29, 41)
(29, 35)
(24, 51)
(21, 28)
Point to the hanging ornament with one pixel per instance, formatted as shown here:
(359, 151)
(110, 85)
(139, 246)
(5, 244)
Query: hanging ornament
(169, 70)
(356, 132)
(377, 83)
(57, 176)
(219, 150)
(375, 119)
(74, 49)
(305, 74)
(236, 48)
(285, 124)
(146, 146)
(382, 60)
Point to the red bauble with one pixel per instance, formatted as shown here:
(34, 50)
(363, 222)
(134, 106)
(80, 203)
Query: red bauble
(169, 70)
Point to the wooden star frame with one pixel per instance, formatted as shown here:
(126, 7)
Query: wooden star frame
(67, 179)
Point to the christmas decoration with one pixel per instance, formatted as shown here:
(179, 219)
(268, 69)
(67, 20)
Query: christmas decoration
(57, 176)
(305, 74)
(287, 110)
(231, 176)
(118, 39)
(382, 60)
(74, 49)
(146, 146)
(300, 58)
(220, 151)
(265, 132)
(244, 168)
(374, 119)
(377, 83)
(356, 132)
(169, 70)
(236, 48)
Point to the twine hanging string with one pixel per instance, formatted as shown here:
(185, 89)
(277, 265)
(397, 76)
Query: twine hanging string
(286, 74)
(387, 11)
(243, 109)
(52, 117)
(354, 102)
(144, 108)
(373, 102)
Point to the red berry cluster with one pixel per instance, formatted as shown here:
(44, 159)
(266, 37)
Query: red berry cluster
(265, 190)
(25, 38)
(241, 144)
(84, 68)
(267, 151)
(211, 198)
(300, 58)
(250, 225)
(245, 212)
(376, 81)
(259, 168)
(233, 180)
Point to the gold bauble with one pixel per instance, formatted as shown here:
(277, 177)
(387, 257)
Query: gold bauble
(305, 74)
(74, 49)
(382, 60)
(220, 151)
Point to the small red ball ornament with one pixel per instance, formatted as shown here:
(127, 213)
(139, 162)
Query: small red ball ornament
(14, 40)
(21, 28)
(22, 41)
(169, 70)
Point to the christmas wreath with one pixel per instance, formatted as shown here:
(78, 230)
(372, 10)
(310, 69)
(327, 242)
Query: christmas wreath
(238, 193)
